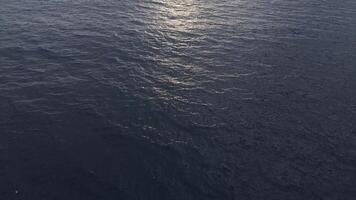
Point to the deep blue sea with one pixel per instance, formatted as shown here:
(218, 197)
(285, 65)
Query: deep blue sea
(177, 99)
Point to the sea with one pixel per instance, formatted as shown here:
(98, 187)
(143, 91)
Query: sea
(177, 99)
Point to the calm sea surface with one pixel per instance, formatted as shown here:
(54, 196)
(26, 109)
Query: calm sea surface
(178, 99)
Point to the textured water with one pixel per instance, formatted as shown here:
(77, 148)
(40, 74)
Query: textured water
(177, 99)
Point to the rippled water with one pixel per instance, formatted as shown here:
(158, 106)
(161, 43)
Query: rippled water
(177, 99)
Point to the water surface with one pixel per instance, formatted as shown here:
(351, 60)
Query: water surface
(177, 99)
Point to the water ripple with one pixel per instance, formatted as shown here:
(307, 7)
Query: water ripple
(180, 99)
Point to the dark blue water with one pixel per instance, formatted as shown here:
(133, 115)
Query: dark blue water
(177, 99)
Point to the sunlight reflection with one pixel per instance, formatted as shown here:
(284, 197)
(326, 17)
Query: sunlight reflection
(176, 30)
(178, 15)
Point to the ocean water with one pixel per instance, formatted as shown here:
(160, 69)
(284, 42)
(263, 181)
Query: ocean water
(177, 99)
